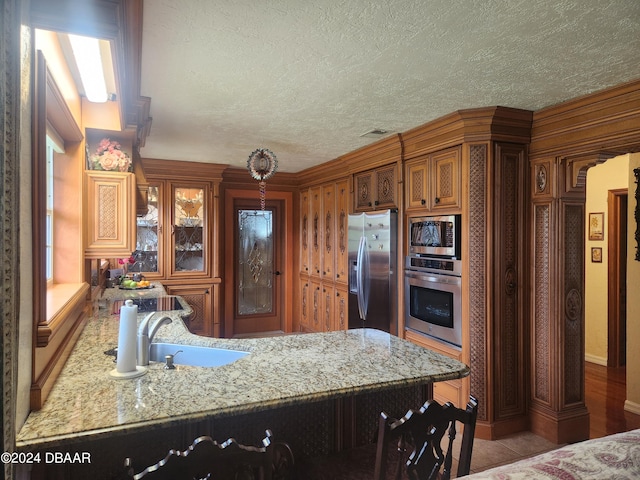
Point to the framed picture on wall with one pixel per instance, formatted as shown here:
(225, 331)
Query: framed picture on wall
(596, 226)
(596, 254)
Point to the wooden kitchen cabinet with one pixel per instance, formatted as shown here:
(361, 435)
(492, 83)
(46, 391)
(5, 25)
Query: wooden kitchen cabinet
(445, 179)
(417, 184)
(175, 239)
(327, 307)
(324, 213)
(316, 297)
(202, 299)
(341, 250)
(110, 217)
(328, 229)
(375, 189)
(304, 313)
(341, 308)
(323, 307)
(454, 391)
(178, 218)
(305, 220)
(433, 182)
(315, 205)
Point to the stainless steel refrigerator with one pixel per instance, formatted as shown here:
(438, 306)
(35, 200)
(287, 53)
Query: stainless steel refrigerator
(373, 285)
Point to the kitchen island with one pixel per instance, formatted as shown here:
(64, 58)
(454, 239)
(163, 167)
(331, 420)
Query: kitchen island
(297, 385)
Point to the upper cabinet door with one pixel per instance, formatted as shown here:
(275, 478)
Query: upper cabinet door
(417, 175)
(445, 179)
(150, 238)
(375, 189)
(110, 220)
(305, 227)
(189, 229)
(327, 258)
(341, 240)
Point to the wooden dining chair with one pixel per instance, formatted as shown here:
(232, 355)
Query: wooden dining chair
(407, 449)
(207, 459)
(418, 436)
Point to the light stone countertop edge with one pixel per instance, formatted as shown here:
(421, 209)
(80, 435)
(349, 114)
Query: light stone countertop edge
(87, 404)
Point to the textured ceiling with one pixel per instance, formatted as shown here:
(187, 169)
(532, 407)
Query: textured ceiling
(307, 79)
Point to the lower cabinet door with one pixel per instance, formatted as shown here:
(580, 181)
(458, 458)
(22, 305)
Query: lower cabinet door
(201, 298)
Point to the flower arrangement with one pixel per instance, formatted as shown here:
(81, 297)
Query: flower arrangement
(109, 156)
(125, 262)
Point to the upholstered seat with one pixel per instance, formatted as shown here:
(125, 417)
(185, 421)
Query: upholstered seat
(409, 448)
(207, 459)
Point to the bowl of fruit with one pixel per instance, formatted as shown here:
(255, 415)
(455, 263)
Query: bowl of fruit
(131, 284)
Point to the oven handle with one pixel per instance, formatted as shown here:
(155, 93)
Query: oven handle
(433, 277)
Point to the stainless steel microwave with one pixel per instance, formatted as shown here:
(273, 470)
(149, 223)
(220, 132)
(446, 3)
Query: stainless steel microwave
(435, 236)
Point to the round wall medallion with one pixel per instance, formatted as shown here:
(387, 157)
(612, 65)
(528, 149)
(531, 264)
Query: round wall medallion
(573, 305)
(541, 178)
(509, 281)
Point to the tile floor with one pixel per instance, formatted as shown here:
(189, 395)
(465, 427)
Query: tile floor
(491, 453)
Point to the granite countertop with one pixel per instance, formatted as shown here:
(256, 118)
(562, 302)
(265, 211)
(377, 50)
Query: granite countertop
(86, 402)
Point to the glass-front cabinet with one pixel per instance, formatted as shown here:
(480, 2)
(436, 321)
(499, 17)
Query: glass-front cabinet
(149, 239)
(188, 227)
(172, 238)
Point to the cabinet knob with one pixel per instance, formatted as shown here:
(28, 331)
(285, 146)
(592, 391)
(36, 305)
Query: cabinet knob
(423, 201)
(377, 202)
(437, 200)
(277, 272)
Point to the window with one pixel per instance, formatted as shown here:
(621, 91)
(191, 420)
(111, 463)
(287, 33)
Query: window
(54, 145)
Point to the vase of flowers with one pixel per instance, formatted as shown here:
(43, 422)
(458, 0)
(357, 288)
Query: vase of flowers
(109, 156)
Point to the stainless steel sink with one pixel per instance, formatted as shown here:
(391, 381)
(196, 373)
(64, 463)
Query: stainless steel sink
(195, 356)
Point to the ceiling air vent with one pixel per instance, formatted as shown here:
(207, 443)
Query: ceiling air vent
(375, 133)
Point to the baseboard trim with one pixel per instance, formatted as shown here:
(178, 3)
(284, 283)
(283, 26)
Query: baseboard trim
(569, 426)
(595, 359)
(632, 407)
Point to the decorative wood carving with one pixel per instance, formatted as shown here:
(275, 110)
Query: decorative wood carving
(573, 294)
(386, 186)
(541, 178)
(577, 166)
(509, 200)
(540, 335)
(417, 181)
(477, 276)
(10, 113)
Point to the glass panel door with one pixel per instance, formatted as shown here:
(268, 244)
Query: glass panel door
(255, 289)
(149, 233)
(188, 229)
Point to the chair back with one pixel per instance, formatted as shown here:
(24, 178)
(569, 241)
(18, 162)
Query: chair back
(207, 459)
(419, 436)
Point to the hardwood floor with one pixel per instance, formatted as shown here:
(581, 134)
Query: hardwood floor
(605, 394)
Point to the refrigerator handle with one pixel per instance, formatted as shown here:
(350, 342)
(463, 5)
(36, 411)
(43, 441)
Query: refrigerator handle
(361, 267)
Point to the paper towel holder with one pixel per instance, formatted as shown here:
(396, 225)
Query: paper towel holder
(138, 372)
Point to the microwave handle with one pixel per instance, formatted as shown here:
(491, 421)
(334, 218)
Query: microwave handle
(361, 273)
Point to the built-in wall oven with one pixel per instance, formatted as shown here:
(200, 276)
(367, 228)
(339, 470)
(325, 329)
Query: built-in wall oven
(433, 297)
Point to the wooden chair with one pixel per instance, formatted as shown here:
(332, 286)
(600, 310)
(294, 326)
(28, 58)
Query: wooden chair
(207, 459)
(419, 437)
(418, 456)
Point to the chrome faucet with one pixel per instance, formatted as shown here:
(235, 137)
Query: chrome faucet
(145, 336)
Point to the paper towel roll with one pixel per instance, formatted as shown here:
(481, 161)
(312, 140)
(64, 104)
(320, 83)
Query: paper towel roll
(127, 338)
(126, 360)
